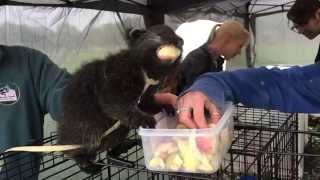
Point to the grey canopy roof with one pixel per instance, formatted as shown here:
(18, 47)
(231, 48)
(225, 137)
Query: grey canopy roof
(147, 7)
(153, 11)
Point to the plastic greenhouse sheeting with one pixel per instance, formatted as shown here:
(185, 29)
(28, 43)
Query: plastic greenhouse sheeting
(69, 36)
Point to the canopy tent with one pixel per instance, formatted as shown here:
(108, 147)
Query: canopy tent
(131, 6)
(154, 8)
(72, 32)
(178, 11)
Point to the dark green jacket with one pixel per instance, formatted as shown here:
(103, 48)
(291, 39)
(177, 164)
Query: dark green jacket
(30, 87)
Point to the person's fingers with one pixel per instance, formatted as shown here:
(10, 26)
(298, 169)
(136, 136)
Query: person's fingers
(214, 111)
(184, 110)
(198, 114)
(185, 117)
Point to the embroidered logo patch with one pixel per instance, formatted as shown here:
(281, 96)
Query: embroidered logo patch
(9, 94)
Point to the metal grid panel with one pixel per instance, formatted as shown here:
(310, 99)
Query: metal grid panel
(265, 146)
(261, 139)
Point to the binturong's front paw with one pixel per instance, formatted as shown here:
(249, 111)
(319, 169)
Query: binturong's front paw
(144, 121)
(148, 122)
(86, 163)
(91, 168)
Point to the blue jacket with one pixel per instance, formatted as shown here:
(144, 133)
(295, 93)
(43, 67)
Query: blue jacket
(296, 89)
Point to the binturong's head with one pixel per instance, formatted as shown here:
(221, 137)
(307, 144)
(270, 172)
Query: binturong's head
(305, 17)
(157, 48)
(228, 39)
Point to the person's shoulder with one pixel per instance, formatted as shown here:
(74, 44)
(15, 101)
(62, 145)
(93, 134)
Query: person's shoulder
(23, 50)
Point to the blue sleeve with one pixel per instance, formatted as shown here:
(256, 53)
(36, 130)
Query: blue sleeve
(296, 89)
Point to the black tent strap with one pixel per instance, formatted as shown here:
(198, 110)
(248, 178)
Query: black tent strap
(106, 5)
(154, 6)
(169, 6)
(267, 11)
(161, 6)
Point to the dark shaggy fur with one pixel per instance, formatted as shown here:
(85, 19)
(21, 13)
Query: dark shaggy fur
(107, 90)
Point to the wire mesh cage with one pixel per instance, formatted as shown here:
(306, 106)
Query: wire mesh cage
(265, 146)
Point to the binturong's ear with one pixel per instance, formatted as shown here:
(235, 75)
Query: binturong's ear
(134, 34)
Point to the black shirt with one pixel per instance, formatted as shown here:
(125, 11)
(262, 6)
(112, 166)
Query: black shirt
(317, 60)
(197, 62)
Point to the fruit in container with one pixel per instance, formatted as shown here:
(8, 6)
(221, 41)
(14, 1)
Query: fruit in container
(156, 163)
(208, 144)
(163, 149)
(174, 162)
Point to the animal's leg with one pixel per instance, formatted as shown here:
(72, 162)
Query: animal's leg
(137, 118)
(149, 105)
(147, 102)
(116, 142)
(132, 117)
(85, 158)
(124, 147)
(115, 139)
(86, 162)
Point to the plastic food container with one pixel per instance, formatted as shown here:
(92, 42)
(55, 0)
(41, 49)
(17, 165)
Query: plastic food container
(187, 150)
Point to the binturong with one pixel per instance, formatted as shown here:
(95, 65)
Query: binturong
(108, 97)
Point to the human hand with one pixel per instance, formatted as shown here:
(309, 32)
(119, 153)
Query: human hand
(166, 99)
(191, 110)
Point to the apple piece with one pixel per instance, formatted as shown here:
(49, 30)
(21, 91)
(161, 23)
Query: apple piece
(156, 163)
(168, 52)
(208, 144)
(181, 126)
(226, 137)
(215, 161)
(174, 162)
(205, 163)
(188, 155)
(163, 149)
(212, 125)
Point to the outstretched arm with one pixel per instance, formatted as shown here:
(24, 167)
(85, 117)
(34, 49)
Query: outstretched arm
(296, 89)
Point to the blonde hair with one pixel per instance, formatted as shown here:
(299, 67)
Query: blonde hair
(233, 28)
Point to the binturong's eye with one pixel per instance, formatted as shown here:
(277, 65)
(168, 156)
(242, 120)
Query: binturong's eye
(168, 53)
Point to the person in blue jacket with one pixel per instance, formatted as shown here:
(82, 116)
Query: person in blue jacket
(31, 86)
(296, 89)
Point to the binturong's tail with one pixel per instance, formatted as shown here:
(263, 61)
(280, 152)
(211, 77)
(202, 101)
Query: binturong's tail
(57, 148)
